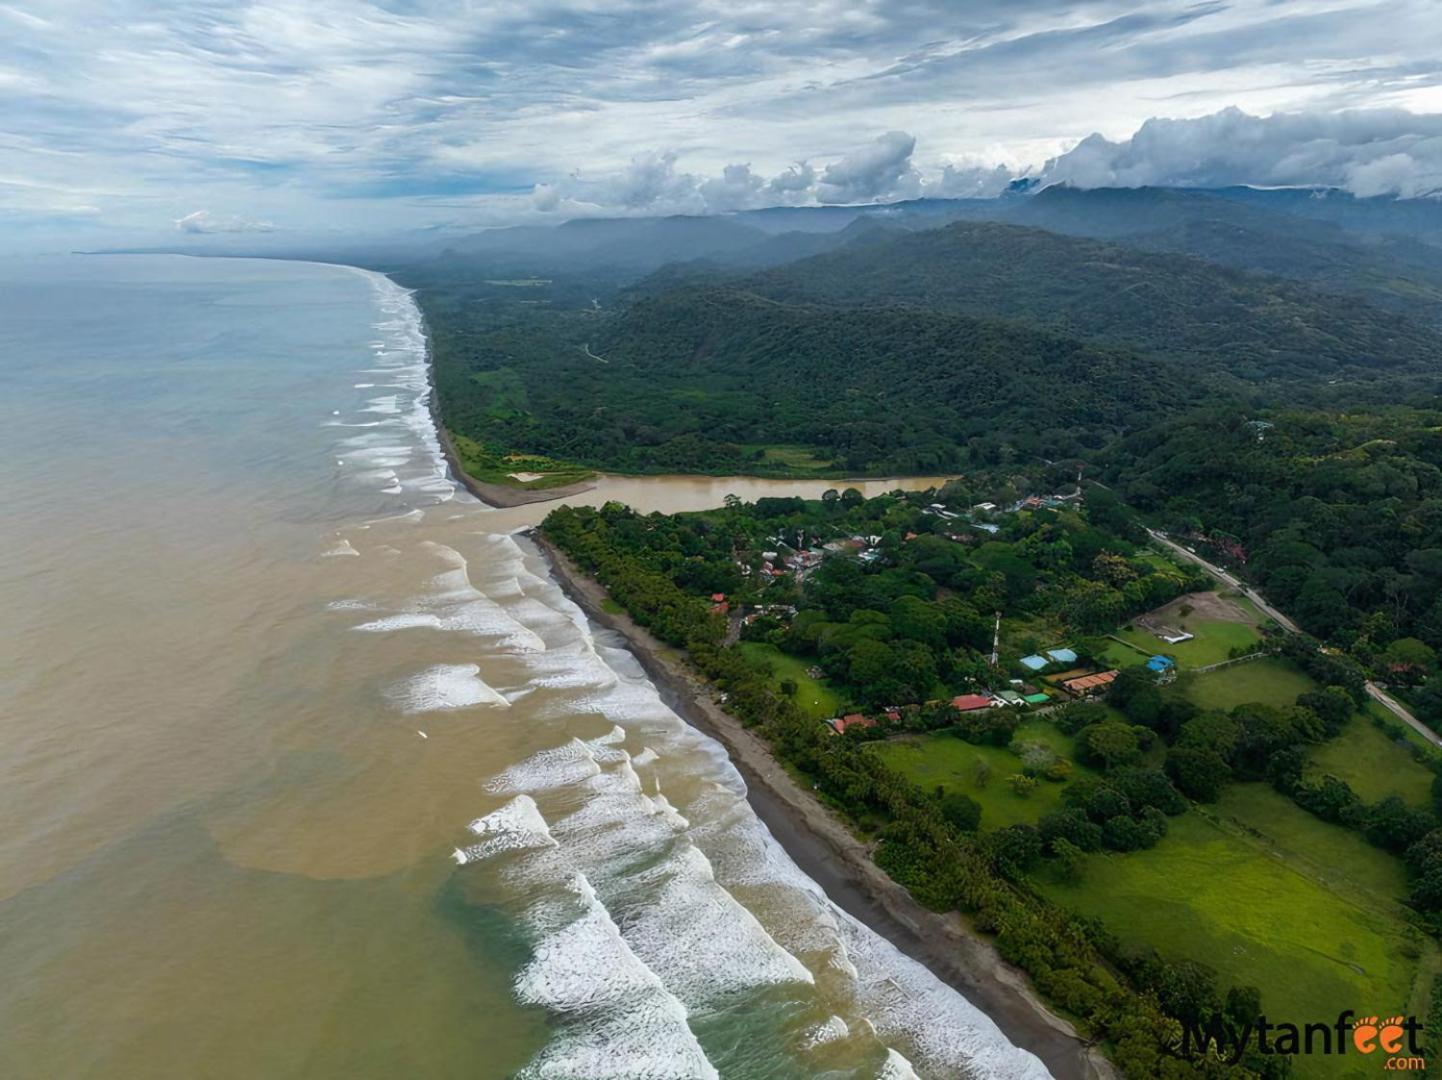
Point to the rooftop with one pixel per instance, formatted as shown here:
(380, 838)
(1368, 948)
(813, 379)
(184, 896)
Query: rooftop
(971, 702)
(1082, 683)
(851, 720)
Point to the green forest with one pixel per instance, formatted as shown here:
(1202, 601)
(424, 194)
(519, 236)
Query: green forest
(1263, 389)
(1338, 516)
(1022, 816)
(1290, 432)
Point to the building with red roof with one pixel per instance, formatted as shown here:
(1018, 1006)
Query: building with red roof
(851, 720)
(970, 702)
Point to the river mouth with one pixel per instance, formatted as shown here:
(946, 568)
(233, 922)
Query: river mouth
(312, 769)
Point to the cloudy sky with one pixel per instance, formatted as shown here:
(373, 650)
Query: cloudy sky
(136, 121)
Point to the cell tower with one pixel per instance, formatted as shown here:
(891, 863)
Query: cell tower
(996, 641)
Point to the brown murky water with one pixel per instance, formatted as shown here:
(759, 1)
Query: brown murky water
(262, 669)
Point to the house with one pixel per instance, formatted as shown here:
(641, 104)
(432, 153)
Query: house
(970, 702)
(841, 723)
(984, 527)
(1010, 697)
(1174, 637)
(1161, 664)
(985, 508)
(1086, 684)
(719, 606)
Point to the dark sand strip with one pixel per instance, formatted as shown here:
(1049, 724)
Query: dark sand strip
(822, 846)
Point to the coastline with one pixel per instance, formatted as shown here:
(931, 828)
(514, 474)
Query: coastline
(815, 839)
(492, 494)
(827, 852)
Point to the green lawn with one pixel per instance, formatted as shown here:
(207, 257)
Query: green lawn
(490, 467)
(815, 697)
(1214, 641)
(1339, 858)
(1372, 764)
(1240, 906)
(1269, 681)
(791, 457)
(945, 760)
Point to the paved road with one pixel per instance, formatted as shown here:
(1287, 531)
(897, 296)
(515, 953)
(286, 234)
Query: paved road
(1230, 581)
(1391, 704)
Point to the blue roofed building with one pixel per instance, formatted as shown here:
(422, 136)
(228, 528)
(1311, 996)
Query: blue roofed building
(1062, 656)
(1035, 663)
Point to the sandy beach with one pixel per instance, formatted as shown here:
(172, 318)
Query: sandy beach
(830, 855)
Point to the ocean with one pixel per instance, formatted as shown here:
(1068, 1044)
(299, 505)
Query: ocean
(309, 768)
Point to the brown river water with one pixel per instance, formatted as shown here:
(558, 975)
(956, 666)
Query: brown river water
(309, 769)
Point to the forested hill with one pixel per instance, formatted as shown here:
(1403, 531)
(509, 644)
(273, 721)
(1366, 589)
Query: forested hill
(1222, 322)
(1392, 270)
(878, 388)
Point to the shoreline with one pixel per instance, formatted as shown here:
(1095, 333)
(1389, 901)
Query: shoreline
(826, 851)
(814, 838)
(498, 495)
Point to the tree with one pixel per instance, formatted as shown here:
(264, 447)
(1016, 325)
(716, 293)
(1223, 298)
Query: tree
(1070, 860)
(1408, 657)
(1073, 825)
(1109, 744)
(960, 810)
(1014, 848)
(1145, 786)
(870, 665)
(1199, 774)
(1022, 784)
(1394, 825)
(1333, 706)
(918, 620)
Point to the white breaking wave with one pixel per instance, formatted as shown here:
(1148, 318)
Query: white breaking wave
(649, 915)
(444, 687)
(517, 826)
(715, 933)
(340, 547)
(399, 354)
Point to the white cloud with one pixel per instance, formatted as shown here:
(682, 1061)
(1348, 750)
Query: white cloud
(202, 221)
(346, 115)
(877, 171)
(1366, 151)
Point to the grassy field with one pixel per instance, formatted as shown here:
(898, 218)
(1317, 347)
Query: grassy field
(1269, 681)
(1340, 859)
(1213, 643)
(491, 468)
(815, 697)
(1372, 764)
(932, 760)
(1249, 909)
(800, 458)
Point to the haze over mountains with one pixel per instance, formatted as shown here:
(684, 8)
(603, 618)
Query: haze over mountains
(930, 334)
(1326, 218)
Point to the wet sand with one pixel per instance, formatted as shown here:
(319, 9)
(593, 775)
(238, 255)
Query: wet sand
(826, 851)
